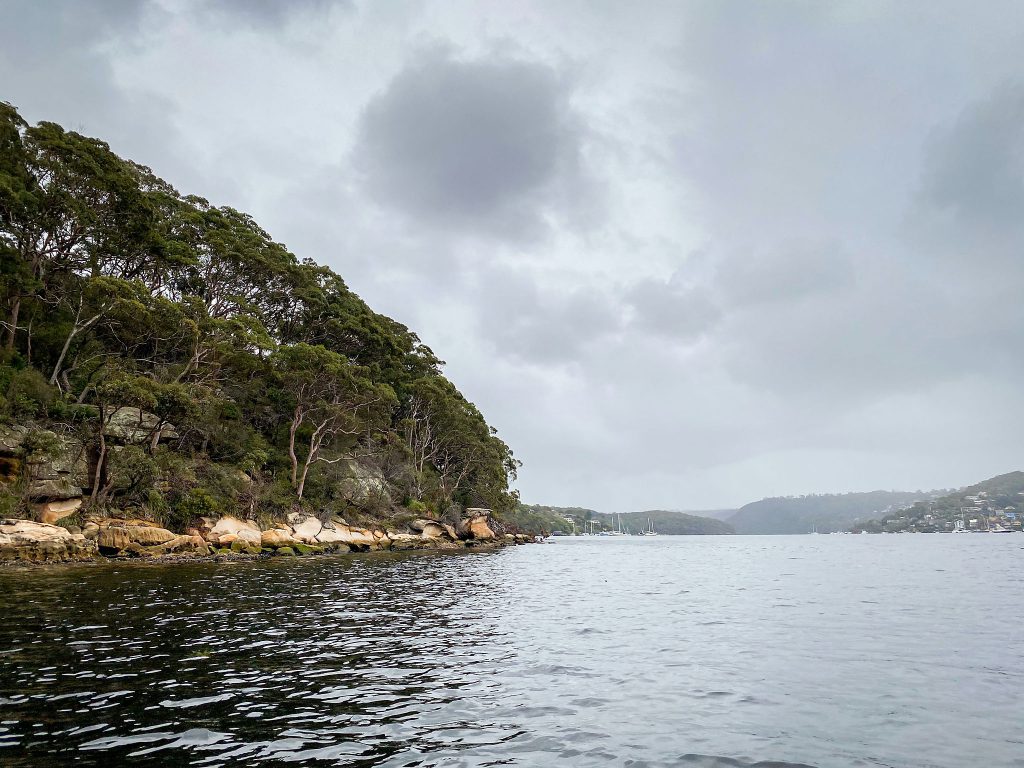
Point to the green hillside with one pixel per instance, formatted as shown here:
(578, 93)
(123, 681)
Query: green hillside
(996, 501)
(824, 513)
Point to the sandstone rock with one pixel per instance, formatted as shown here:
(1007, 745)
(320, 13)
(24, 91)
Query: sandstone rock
(475, 525)
(331, 536)
(51, 511)
(130, 536)
(232, 526)
(285, 551)
(277, 537)
(433, 531)
(480, 529)
(38, 542)
(405, 541)
(307, 530)
(113, 540)
(362, 484)
(183, 545)
(149, 535)
(132, 426)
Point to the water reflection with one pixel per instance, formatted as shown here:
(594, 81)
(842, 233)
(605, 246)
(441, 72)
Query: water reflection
(734, 651)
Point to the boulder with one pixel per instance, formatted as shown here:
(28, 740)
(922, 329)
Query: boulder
(480, 528)
(29, 541)
(362, 484)
(433, 531)
(277, 537)
(307, 529)
(52, 511)
(232, 527)
(331, 536)
(113, 540)
(130, 536)
(476, 525)
(149, 535)
(359, 538)
(405, 541)
(183, 545)
(133, 426)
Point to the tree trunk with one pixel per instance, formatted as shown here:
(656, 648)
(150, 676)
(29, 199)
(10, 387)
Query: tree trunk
(296, 420)
(12, 329)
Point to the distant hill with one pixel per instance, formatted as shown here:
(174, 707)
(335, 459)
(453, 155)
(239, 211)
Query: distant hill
(545, 520)
(824, 513)
(998, 500)
(538, 518)
(667, 522)
(714, 514)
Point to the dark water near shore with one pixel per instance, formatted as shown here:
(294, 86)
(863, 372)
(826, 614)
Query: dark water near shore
(718, 651)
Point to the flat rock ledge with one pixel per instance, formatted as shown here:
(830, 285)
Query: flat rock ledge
(34, 542)
(28, 541)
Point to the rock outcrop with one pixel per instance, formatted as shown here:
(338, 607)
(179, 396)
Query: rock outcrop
(141, 538)
(302, 534)
(28, 541)
(476, 525)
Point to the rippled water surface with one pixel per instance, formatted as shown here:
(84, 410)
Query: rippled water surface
(716, 651)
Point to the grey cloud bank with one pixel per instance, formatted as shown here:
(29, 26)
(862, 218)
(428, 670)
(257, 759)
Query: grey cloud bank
(681, 255)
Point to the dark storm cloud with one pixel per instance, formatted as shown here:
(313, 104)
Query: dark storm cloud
(489, 145)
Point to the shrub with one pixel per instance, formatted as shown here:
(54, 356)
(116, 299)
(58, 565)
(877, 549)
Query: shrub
(29, 395)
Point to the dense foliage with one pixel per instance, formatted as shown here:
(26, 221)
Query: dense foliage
(116, 290)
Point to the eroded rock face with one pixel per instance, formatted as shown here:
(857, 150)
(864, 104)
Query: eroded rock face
(476, 525)
(29, 541)
(51, 511)
(227, 529)
(278, 537)
(434, 531)
(61, 473)
(307, 530)
(134, 537)
(132, 426)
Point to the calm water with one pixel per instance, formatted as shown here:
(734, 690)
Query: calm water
(719, 651)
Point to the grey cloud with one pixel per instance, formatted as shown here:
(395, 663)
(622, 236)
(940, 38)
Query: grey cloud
(273, 13)
(783, 273)
(671, 308)
(531, 324)
(488, 145)
(972, 187)
(854, 195)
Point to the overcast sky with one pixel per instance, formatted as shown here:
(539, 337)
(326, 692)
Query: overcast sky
(682, 255)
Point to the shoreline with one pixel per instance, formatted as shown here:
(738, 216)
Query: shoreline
(228, 538)
(243, 557)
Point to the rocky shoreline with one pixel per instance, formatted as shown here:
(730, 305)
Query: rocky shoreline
(112, 539)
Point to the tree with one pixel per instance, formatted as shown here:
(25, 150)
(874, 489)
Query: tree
(332, 399)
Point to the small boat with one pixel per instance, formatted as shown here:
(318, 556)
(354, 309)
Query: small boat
(649, 530)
